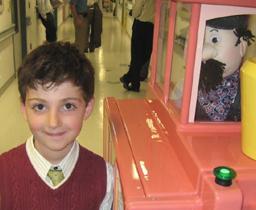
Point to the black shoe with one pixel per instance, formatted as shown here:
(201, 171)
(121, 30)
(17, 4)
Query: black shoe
(130, 87)
(143, 79)
(128, 84)
(125, 85)
(122, 79)
(88, 50)
(125, 79)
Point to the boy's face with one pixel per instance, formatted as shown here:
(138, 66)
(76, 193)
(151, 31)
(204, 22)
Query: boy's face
(55, 117)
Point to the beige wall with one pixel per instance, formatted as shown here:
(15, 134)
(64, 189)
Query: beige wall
(10, 41)
(10, 47)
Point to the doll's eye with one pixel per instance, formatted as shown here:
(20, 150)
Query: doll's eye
(215, 38)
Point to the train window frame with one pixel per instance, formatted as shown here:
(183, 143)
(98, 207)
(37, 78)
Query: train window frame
(162, 43)
(177, 78)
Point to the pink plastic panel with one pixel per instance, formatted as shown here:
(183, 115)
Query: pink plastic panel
(162, 168)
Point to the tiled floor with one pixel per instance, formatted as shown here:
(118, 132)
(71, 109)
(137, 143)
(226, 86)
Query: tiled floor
(110, 62)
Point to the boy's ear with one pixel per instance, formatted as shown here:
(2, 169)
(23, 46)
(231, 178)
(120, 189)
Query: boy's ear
(23, 110)
(89, 109)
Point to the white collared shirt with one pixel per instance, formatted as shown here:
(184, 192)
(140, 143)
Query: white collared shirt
(144, 10)
(44, 7)
(67, 165)
(90, 2)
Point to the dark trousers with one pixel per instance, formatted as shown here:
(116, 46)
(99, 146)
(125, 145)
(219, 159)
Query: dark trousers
(90, 30)
(50, 27)
(141, 48)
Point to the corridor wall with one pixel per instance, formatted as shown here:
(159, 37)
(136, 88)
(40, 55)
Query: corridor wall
(9, 37)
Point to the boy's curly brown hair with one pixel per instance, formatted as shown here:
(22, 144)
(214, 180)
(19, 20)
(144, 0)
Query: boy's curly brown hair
(51, 64)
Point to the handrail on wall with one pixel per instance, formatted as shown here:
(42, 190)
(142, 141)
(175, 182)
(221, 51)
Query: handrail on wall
(8, 32)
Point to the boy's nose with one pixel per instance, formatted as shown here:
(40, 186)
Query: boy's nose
(54, 119)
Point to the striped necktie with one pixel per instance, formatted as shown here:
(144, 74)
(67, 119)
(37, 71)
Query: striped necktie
(56, 176)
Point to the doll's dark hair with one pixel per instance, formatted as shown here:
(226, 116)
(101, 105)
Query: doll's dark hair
(52, 64)
(237, 22)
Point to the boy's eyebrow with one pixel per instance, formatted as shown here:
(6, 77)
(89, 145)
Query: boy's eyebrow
(64, 99)
(35, 99)
(72, 98)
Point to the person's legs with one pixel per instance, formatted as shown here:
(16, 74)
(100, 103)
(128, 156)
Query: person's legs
(51, 28)
(42, 19)
(142, 38)
(91, 30)
(45, 24)
(126, 78)
(136, 55)
(149, 32)
(88, 20)
(141, 48)
(80, 35)
(147, 49)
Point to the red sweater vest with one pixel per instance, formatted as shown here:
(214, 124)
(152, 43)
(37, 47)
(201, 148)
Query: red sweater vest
(22, 189)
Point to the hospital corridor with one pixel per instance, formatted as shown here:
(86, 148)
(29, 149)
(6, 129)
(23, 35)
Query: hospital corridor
(110, 61)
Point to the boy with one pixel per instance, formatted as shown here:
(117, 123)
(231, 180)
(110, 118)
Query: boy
(51, 170)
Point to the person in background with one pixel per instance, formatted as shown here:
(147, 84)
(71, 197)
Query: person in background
(94, 26)
(141, 42)
(79, 12)
(52, 170)
(46, 15)
(89, 46)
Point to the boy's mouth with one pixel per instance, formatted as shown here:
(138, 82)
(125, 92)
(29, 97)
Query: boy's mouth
(55, 134)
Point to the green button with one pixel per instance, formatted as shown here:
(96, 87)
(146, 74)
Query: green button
(224, 173)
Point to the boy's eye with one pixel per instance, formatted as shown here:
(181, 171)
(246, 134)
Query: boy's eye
(69, 106)
(39, 107)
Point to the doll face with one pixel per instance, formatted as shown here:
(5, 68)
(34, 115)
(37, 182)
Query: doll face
(219, 44)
